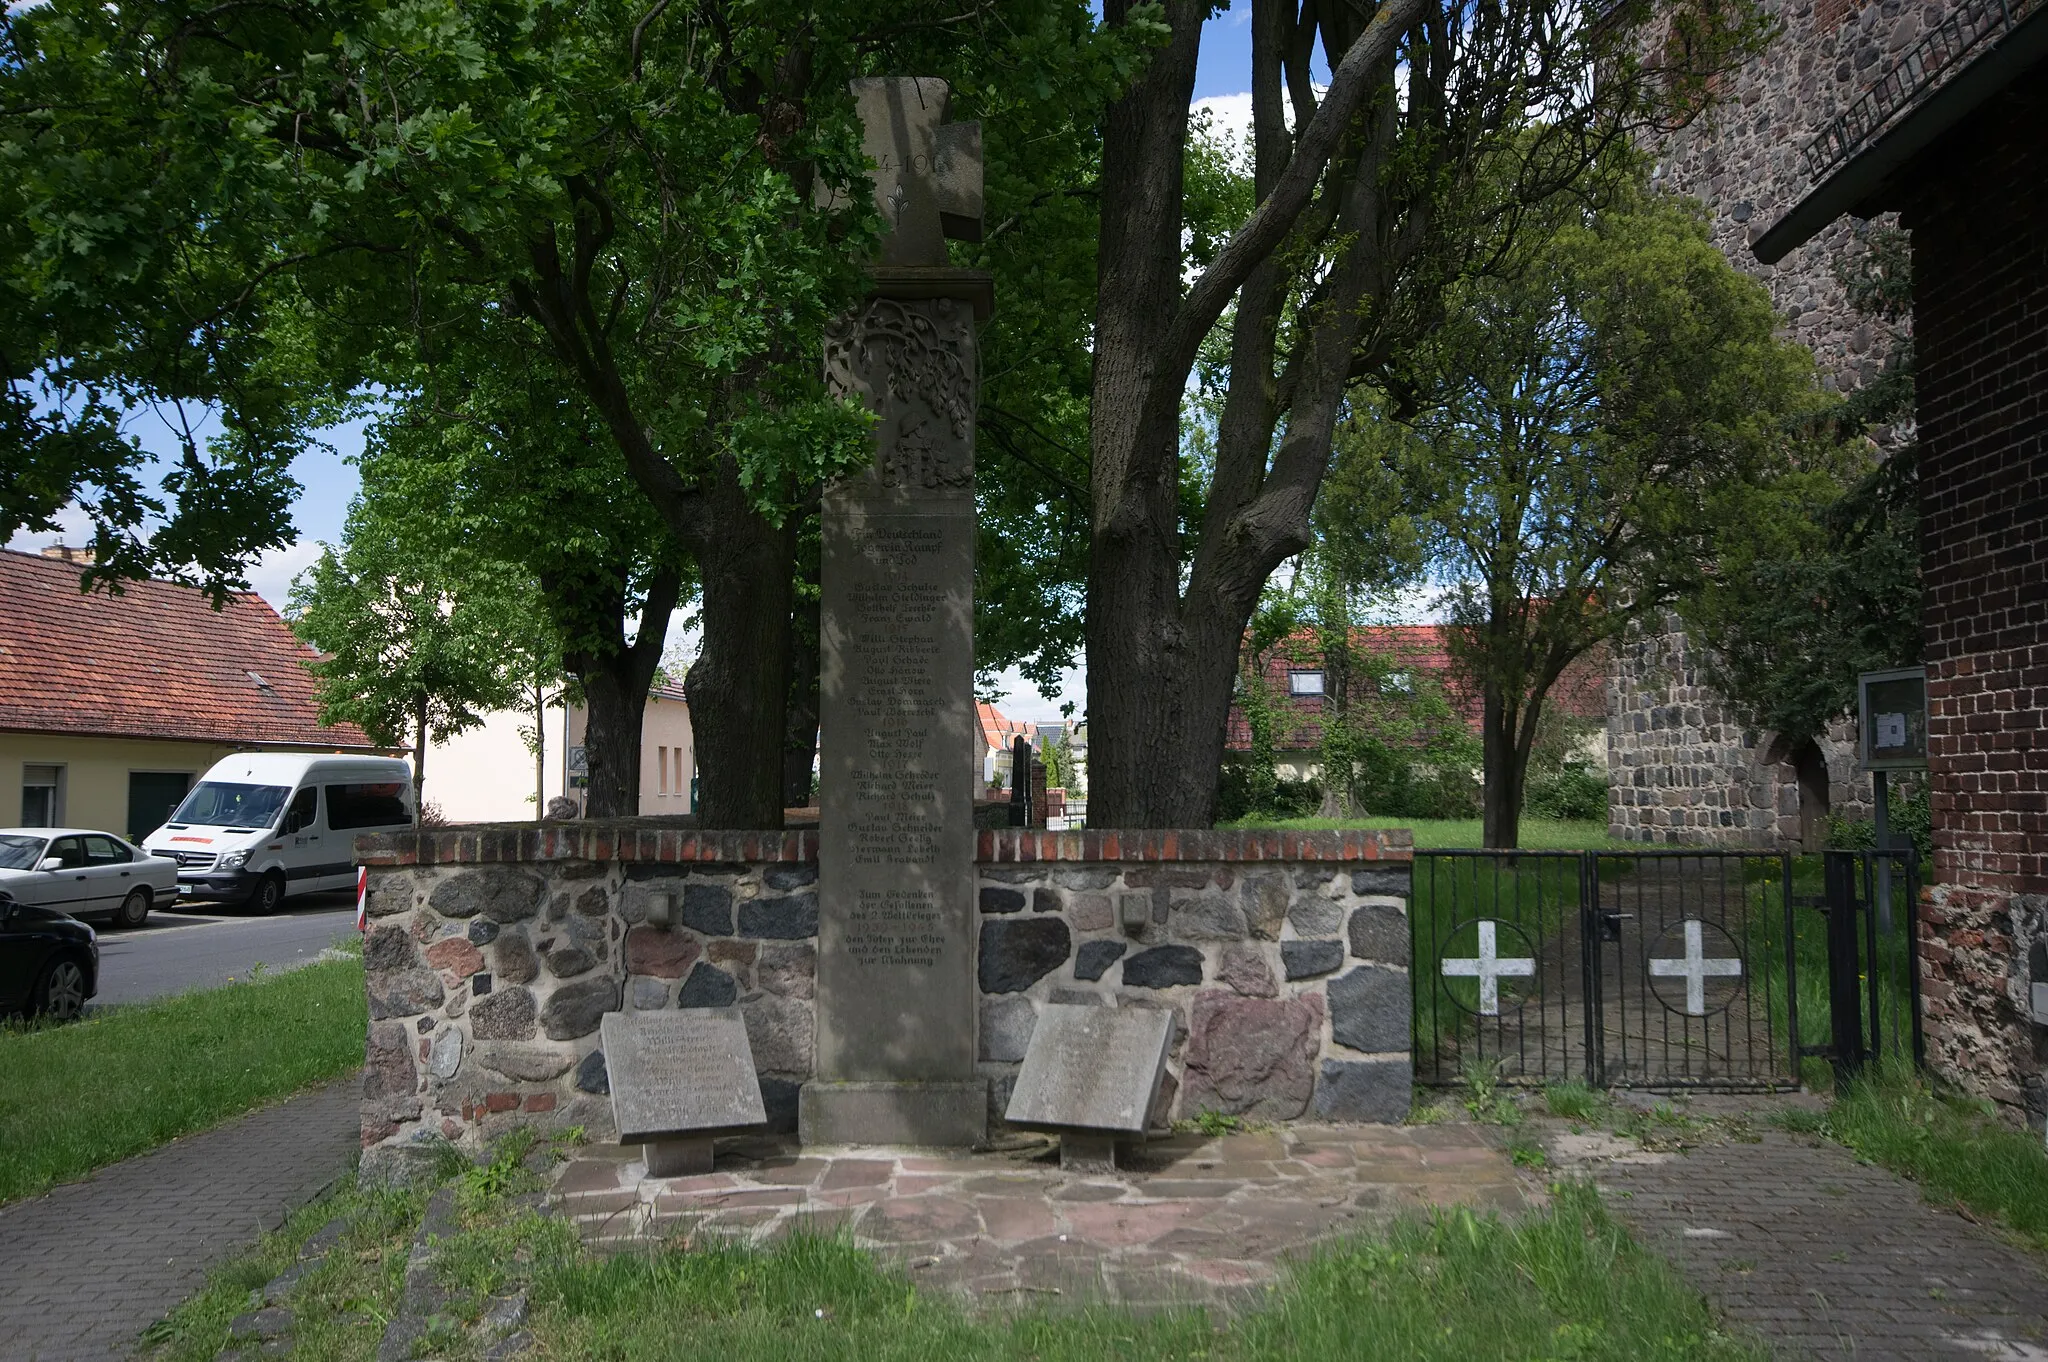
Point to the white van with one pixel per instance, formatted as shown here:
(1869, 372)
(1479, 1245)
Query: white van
(263, 826)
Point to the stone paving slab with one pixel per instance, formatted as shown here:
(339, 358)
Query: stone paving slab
(1193, 1221)
(1829, 1257)
(88, 1266)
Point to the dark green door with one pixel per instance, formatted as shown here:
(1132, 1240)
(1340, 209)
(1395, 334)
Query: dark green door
(151, 797)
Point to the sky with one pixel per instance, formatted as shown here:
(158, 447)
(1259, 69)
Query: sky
(329, 481)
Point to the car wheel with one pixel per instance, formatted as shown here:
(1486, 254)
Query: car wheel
(60, 993)
(269, 893)
(133, 910)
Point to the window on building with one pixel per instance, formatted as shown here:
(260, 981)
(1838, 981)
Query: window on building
(42, 796)
(681, 784)
(1304, 683)
(661, 765)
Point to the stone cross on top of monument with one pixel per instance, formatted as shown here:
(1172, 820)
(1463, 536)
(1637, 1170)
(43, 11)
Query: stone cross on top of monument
(927, 171)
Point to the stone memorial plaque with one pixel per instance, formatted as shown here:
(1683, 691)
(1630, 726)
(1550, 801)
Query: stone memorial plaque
(896, 919)
(1092, 1068)
(681, 1073)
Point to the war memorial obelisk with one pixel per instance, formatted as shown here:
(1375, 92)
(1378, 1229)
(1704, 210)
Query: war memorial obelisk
(896, 943)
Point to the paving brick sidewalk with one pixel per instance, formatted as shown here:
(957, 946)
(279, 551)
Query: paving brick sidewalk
(1826, 1256)
(86, 1268)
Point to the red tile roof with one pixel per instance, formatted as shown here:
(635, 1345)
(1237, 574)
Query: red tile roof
(998, 729)
(156, 661)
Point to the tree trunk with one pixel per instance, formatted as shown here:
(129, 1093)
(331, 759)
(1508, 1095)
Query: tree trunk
(613, 710)
(739, 685)
(419, 759)
(1506, 765)
(800, 728)
(540, 752)
(1138, 712)
(1162, 660)
(615, 680)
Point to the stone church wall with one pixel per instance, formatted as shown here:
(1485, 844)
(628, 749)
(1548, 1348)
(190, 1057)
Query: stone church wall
(1681, 766)
(1683, 769)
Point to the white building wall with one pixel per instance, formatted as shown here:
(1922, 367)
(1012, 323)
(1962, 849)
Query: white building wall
(486, 774)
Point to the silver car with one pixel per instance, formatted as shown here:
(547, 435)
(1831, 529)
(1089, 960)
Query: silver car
(85, 873)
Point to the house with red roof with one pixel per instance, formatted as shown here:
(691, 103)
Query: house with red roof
(998, 731)
(113, 704)
(1297, 682)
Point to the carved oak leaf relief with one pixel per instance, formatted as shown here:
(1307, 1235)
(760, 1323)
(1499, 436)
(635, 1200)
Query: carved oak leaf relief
(912, 363)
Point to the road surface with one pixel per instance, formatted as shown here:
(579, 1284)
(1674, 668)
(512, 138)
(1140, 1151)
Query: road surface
(206, 945)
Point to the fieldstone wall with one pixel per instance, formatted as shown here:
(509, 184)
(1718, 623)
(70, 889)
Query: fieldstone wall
(1741, 159)
(1283, 957)
(492, 955)
(1682, 768)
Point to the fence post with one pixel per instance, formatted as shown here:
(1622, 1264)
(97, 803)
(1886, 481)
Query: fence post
(1844, 999)
(1589, 967)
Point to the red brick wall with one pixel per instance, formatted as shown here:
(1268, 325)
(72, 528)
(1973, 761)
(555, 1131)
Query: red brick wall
(1980, 247)
(1979, 219)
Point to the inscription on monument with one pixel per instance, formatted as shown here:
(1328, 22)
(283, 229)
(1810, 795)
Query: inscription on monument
(680, 1073)
(895, 993)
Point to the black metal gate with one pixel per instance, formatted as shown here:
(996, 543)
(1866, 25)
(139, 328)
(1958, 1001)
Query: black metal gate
(1660, 969)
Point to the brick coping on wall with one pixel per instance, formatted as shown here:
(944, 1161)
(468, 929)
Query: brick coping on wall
(641, 843)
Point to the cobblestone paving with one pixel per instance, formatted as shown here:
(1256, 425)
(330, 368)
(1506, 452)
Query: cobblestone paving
(87, 1267)
(1826, 1256)
(1194, 1221)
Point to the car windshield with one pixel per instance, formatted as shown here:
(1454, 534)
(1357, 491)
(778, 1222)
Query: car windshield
(20, 853)
(223, 804)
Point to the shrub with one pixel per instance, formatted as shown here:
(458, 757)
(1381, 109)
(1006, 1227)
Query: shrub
(1574, 793)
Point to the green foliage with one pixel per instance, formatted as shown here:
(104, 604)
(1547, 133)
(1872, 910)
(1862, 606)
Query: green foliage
(77, 1097)
(1588, 435)
(1957, 1148)
(1910, 817)
(1574, 792)
(1823, 582)
(1485, 1098)
(421, 635)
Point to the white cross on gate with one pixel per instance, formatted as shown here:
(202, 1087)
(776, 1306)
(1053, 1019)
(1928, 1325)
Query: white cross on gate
(1489, 968)
(1695, 968)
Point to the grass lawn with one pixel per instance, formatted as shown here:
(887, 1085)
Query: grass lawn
(1446, 834)
(1565, 1283)
(1954, 1147)
(76, 1097)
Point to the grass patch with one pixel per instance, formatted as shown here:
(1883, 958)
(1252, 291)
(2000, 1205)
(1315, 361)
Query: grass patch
(1955, 1147)
(79, 1096)
(1575, 1101)
(1446, 834)
(339, 1309)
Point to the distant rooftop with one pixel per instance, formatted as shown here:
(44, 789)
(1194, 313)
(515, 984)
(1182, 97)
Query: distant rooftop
(155, 661)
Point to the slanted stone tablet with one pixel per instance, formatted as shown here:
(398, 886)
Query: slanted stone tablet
(1092, 1068)
(681, 1073)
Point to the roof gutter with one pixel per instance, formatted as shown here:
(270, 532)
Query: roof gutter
(239, 744)
(1863, 183)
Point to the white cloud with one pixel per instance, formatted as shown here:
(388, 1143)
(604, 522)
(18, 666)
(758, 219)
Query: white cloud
(272, 574)
(1021, 700)
(1228, 114)
(72, 529)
